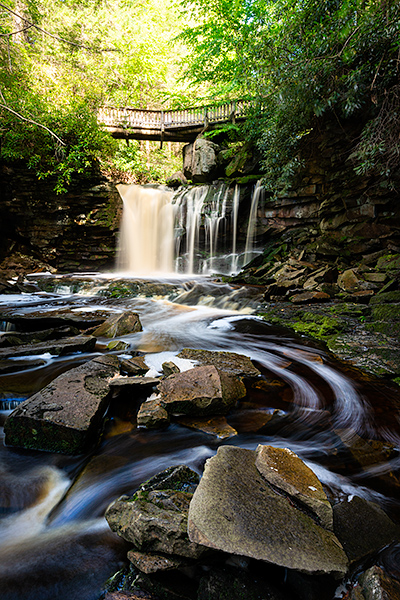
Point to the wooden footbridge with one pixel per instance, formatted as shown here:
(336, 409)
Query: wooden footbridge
(171, 125)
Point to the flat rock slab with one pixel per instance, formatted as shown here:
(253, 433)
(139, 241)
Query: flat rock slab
(126, 383)
(34, 321)
(228, 362)
(80, 343)
(283, 469)
(148, 562)
(119, 324)
(217, 426)
(134, 366)
(201, 391)
(235, 510)
(13, 366)
(66, 415)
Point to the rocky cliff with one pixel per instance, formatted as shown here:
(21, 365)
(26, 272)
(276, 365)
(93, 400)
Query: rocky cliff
(73, 231)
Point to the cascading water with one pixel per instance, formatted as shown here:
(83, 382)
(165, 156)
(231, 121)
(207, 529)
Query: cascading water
(252, 223)
(147, 230)
(193, 230)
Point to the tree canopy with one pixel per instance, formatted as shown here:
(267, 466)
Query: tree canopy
(62, 59)
(301, 59)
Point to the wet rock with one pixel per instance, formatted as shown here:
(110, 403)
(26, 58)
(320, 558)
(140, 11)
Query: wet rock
(124, 384)
(217, 426)
(154, 521)
(17, 338)
(65, 416)
(37, 321)
(12, 366)
(119, 325)
(117, 346)
(134, 366)
(152, 414)
(310, 297)
(80, 343)
(179, 478)
(201, 391)
(375, 584)
(262, 524)
(148, 562)
(363, 528)
(176, 180)
(283, 469)
(169, 368)
(228, 362)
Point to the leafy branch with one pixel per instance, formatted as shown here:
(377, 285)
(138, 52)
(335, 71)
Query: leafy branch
(55, 37)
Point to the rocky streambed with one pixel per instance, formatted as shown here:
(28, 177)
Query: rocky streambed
(230, 459)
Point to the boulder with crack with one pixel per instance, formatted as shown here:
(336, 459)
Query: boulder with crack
(236, 510)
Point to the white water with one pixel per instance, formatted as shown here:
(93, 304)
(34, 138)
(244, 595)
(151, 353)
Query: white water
(252, 223)
(147, 230)
(183, 232)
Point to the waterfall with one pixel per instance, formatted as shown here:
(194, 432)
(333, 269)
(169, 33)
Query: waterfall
(235, 209)
(147, 230)
(183, 232)
(252, 223)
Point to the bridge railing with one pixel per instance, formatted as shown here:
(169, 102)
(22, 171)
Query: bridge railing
(163, 119)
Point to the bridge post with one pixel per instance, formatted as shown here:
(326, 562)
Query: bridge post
(162, 129)
(233, 113)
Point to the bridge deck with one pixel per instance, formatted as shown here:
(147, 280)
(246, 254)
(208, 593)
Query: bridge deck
(170, 125)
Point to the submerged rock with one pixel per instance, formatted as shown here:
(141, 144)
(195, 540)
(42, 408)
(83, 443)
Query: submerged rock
(118, 325)
(234, 509)
(201, 391)
(375, 584)
(65, 416)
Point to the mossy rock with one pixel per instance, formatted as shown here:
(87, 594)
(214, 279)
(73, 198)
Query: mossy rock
(389, 262)
(386, 298)
(386, 312)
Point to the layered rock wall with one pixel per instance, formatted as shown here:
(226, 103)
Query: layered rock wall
(73, 231)
(328, 208)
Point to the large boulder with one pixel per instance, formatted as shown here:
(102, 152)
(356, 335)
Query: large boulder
(200, 160)
(119, 324)
(234, 509)
(201, 391)
(67, 415)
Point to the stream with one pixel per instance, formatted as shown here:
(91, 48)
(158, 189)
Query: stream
(54, 540)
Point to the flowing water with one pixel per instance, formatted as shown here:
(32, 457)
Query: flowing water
(54, 541)
(193, 230)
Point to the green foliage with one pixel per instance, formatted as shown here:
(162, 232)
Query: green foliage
(61, 61)
(302, 60)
